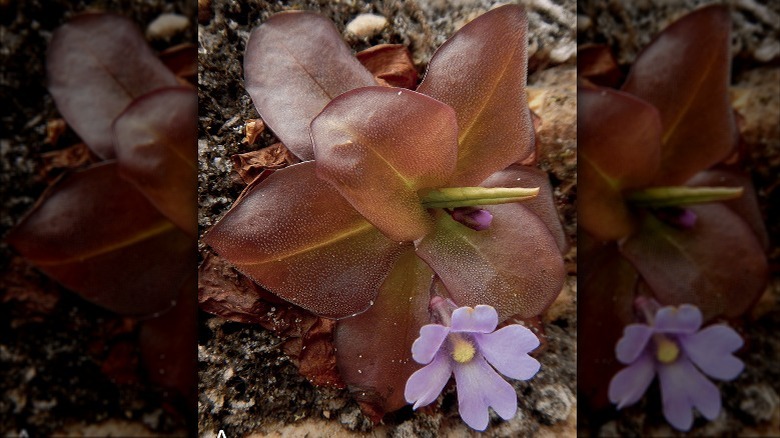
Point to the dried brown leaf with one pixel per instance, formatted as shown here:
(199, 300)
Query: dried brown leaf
(54, 129)
(391, 65)
(250, 165)
(33, 297)
(252, 129)
(71, 157)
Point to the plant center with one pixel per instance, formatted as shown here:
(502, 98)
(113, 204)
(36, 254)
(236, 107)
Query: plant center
(462, 349)
(667, 350)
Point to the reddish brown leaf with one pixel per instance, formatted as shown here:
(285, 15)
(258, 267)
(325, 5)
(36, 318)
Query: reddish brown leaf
(514, 266)
(97, 64)
(250, 165)
(332, 266)
(746, 206)
(374, 348)
(54, 129)
(689, 266)
(607, 287)
(481, 73)
(378, 146)
(167, 343)
(391, 65)
(97, 235)
(684, 73)
(121, 364)
(229, 294)
(618, 139)
(543, 205)
(294, 64)
(156, 148)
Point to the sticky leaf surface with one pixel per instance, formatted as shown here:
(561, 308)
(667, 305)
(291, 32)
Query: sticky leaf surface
(373, 349)
(618, 149)
(689, 266)
(156, 149)
(684, 73)
(481, 73)
(97, 235)
(514, 266)
(378, 146)
(294, 64)
(296, 236)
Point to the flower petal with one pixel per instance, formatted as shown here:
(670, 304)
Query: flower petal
(426, 384)
(683, 319)
(710, 350)
(479, 386)
(633, 342)
(480, 319)
(684, 387)
(431, 337)
(628, 386)
(507, 350)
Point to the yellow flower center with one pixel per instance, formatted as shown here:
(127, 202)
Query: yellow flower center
(462, 350)
(666, 350)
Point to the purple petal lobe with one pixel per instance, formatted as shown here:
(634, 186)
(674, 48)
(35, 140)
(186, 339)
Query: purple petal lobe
(684, 387)
(628, 386)
(479, 386)
(683, 319)
(633, 342)
(507, 350)
(429, 342)
(481, 319)
(426, 384)
(711, 348)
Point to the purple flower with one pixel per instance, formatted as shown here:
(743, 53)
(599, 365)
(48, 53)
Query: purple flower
(467, 346)
(673, 347)
(475, 218)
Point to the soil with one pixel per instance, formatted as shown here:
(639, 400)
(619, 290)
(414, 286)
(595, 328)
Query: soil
(751, 405)
(69, 367)
(247, 385)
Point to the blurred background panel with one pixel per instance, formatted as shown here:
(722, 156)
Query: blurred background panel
(70, 365)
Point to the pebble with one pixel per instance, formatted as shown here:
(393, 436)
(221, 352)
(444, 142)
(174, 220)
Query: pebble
(166, 26)
(367, 25)
(761, 402)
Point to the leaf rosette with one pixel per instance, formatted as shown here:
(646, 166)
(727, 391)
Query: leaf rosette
(348, 234)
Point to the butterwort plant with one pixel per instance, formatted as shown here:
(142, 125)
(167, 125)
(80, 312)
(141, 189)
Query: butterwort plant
(665, 209)
(400, 192)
